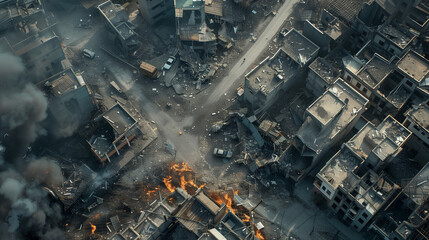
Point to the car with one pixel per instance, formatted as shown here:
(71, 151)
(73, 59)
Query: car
(222, 153)
(169, 63)
(88, 53)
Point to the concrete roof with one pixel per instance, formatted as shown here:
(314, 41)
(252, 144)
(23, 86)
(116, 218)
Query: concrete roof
(375, 71)
(298, 47)
(398, 35)
(324, 70)
(414, 65)
(119, 119)
(330, 114)
(383, 140)
(420, 115)
(339, 167)
(271, 72)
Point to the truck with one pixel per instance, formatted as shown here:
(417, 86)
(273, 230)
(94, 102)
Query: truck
(149, 70)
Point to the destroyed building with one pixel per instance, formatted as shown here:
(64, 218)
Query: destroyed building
(327, 33)
(323, 71)
(327, 121)
(185, 216)
(117, 21)
(70, 103)
(191, 26)
(353, 182)
(74, 186)
(417, 121)
(116, 128)
(23, 15)
(405, 217)
(220, 11)
(263, 84)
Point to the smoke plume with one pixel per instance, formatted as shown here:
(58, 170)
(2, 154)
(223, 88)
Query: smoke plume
(25, 209)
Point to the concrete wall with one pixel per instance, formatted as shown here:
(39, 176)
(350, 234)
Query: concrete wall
(156, 10)
(315, 84)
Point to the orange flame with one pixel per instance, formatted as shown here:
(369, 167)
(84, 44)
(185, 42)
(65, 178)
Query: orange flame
(149, 192)
(259, 235)
(183, 177)
(246, 218)
(93, 228)
(167, 181)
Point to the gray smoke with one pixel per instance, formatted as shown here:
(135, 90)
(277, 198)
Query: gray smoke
(25, 209)
(22, 107)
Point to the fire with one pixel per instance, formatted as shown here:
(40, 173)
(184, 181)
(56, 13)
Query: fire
(167, 182)
(149, 192)
(259, 235)
(181, 167)
(246, 218)
(183, 177)
(93, 228)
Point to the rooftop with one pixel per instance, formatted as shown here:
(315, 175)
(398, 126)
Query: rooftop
(298, 47)
(414, 65)
(214, 7)
(33, 42)
(339, 167)
(115, 13)
(330, 114)
(398, 35)
(375, 71)
(63, 82)
(420, 115)
(272, 72)
(119, 119)
(418, 188)
(335, 29)
(322, 68)
(345, 9)
(383, 140)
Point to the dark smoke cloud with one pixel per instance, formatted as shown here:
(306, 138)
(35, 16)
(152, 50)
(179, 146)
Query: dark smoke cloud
(25, 209)
(22, 107)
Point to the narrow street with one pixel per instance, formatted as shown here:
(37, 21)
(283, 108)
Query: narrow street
(241, 67)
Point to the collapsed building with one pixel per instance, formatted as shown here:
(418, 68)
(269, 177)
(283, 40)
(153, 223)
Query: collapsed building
(278, 73)
(23, 15)
(185, 216)
(117, 21)
(191, 26)
(327, 121)
(115, 129)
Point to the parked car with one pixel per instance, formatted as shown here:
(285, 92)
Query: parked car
(88, 53)
(169, 63)
(222, 153)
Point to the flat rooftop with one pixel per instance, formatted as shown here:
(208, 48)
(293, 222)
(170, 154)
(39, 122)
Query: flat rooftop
(31, 43)
(324, 70)
(414, 65)
(298, 47)
(375, 71)
(420, 115)
(272, 72)
(401, 37)
(115, 13)
(326, 108)
(382, 140)
(327, 119)
(119, 119)
(62, 82)
(339, 167)
(345, 9)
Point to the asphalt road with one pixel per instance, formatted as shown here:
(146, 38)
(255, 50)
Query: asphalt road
(239, 69)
